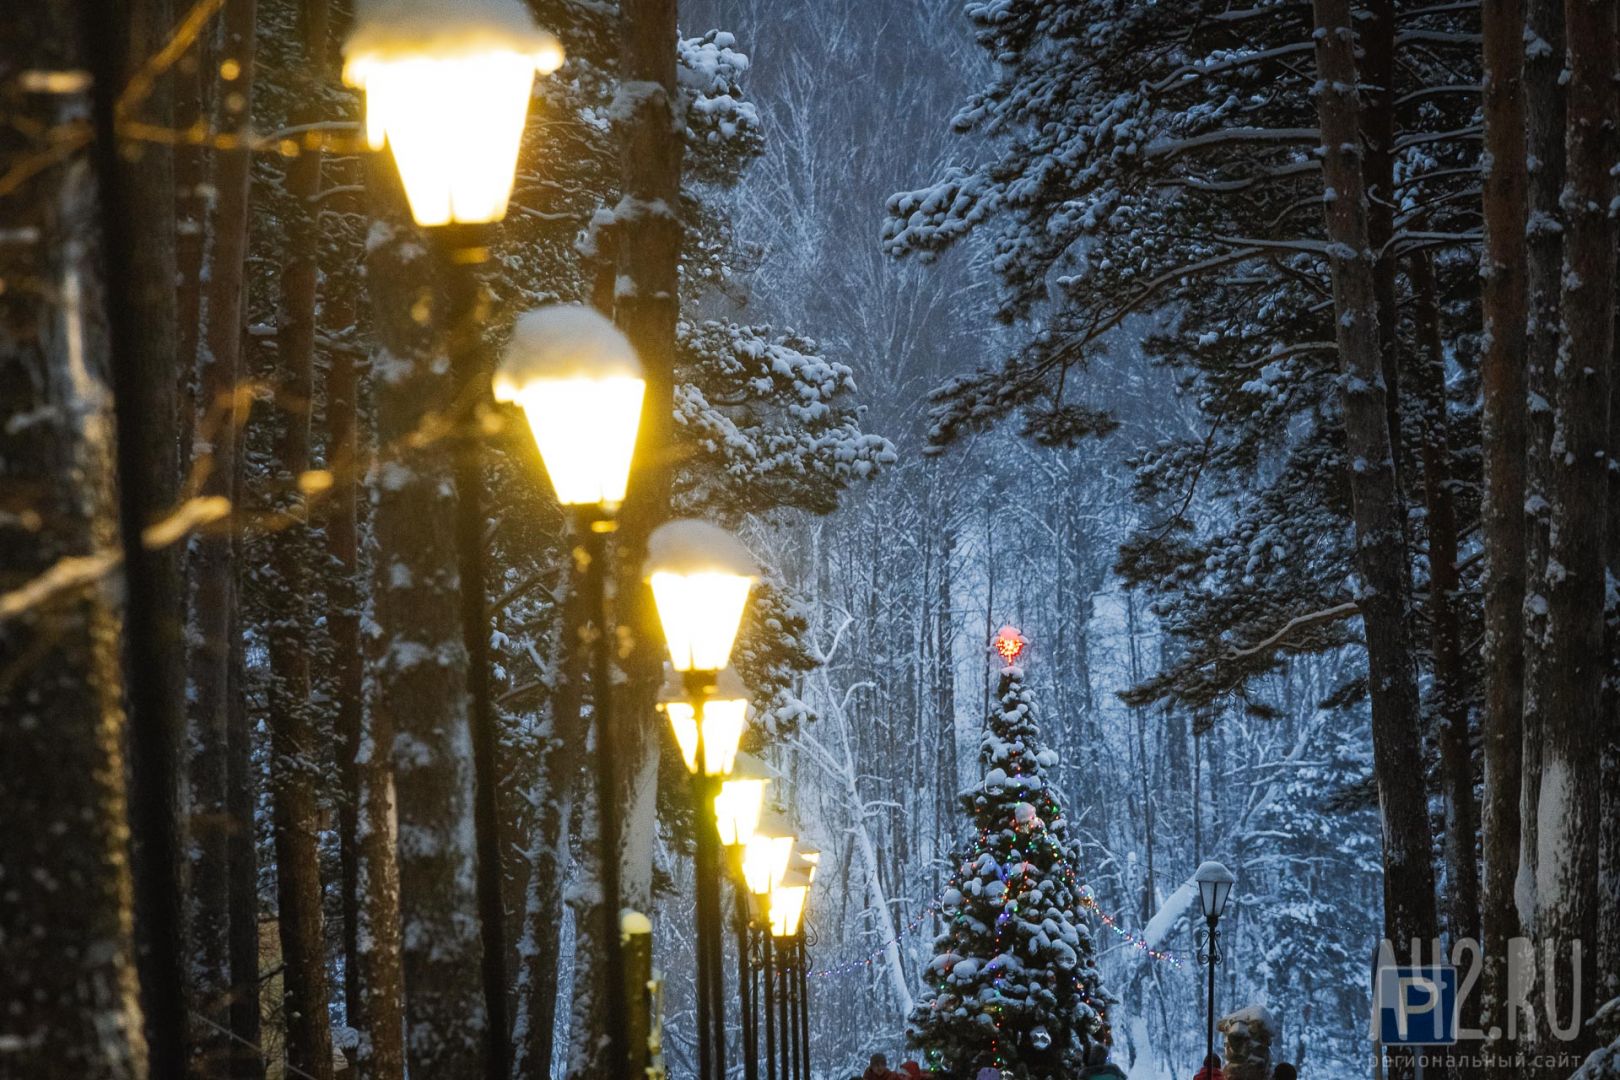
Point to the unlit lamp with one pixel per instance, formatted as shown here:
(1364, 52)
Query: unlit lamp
(447, 89)
(1214, 888)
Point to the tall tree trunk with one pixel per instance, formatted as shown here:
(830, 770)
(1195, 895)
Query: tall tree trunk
(1567, 809)
(68, 981)
(137, 188)
(1502, 375)
(1445, 589)
(242, 777)
(1544, 114)
(1409, 904)
(1378, 174)
(647, 304)
(296, 738)
(217, 422)
(553, 796)
(418, 662)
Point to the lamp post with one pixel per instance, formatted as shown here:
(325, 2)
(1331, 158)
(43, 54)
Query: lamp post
(1214, 889)
(737, 811)
(786, 910)
(700, 577)
(447, 92)
(579, 383)
(764, 862)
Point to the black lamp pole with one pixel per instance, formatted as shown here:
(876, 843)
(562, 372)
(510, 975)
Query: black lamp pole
(593, 526)
(745, 990)
(768, 964)
(1211, 954)
(784, 1003)
(804, 1007)
(463, 249)
(711, 1012)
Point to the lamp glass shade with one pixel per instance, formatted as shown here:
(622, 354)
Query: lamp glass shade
(812, 860)
(454, 122)
(723, 723)
(787, 908)
(737, 809)
(765, 860)
(700, 614)
(1214, 888)
(586, 431)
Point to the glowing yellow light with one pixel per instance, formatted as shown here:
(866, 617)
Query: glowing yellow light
(578, 381)
(452, 112)
(701, 614)
(765, 858)
(723, 723)
(1009, 643)
(811, 859)
(787, 905)
(737, 809)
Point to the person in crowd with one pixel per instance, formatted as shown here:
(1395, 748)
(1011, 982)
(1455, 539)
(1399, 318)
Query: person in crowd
(1285, 1071)
(877, 1068)
(1211, 1069)
(1098, 1067)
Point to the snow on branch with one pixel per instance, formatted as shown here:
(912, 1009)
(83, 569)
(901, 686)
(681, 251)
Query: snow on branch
(1338, 611)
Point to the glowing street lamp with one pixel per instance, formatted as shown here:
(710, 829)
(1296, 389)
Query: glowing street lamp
(578, 380)
(700, 577)
(447, 90)
(712, 725)
(741, 801)
(787, 903)
(769, 850)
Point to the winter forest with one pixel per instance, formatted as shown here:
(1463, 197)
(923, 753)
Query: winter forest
(1148, 433)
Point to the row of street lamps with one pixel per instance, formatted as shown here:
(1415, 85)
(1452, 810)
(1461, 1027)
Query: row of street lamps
(447, 89)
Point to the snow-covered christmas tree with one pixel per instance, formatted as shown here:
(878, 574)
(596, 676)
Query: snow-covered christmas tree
(1014, 984)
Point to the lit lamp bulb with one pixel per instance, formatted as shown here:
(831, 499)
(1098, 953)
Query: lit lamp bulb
(578, 380)
(809, 861)
(724, 717)
(787, 903)
(700, 577)
(765, 858)
(741, 801)
(447, 89)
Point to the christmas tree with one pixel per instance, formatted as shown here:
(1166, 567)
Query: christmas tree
(1014, 984)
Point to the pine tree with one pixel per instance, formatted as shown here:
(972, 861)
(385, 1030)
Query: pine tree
(1014, 982)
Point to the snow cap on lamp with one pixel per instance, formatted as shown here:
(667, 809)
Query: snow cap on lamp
(1214, 887)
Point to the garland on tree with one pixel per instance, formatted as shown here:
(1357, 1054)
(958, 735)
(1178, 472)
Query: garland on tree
(1014, 984)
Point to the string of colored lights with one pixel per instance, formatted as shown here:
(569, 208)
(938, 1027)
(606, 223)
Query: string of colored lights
(871, 958)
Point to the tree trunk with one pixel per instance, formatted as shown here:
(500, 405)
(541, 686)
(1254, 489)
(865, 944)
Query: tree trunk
(1567, 809)
(1544, 109)
(294, 734)
(1502, 375)
(418, 685)
(1397, 758)
(647, 303)
(242, 850)
(68, 981)
(1377, 122)
(217, 421)
(553, 795)
(1445, 588)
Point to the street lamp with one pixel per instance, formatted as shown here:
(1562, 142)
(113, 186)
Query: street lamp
(786, 912)
(1214, 889)
(580, 384)
(573, 354)
(700, 576)
(741, 801)
(447, 90)
(765, 859)
(719, 729)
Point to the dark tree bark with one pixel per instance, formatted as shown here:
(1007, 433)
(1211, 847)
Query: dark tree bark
(242, 851)
(1445, 631)
(646, 309)
(1567, 809)
(1409, 904)
(1544, 114)
(217, 421)
(1502, 375)
(137, 193)
(418, 665)
(1378, 173)
(555, 787)
(68, 982)
(295, 737)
